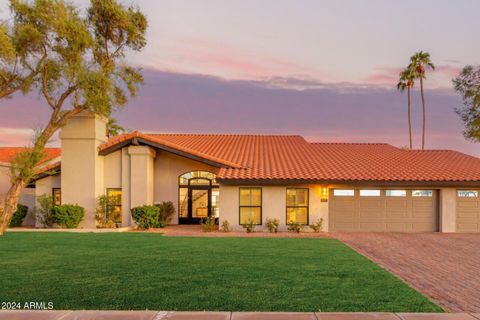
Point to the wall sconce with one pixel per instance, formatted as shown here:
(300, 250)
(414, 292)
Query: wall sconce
(324, 194)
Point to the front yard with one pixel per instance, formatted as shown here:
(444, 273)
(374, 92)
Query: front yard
(150, 271)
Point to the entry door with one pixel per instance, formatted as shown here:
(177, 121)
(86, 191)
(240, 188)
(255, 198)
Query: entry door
(199, 204)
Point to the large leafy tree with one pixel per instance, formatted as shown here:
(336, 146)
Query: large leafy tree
(74, 59)
(420, 62)
(406, 82)
(467, 83)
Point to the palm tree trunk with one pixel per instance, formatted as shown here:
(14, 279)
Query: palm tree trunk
(424, 113)
(409, 118)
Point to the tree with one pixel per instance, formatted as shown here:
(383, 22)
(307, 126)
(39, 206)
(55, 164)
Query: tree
(406, 81)
(419, 62)
(468, 85)
(76, 62)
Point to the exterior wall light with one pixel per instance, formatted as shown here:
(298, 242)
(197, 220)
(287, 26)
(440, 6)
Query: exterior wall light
(324, 196)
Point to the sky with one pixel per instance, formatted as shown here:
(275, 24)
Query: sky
(326, 70)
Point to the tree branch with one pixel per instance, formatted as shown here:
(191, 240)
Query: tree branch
(44, 87)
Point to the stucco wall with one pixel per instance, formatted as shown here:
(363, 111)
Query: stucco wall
(167, 168)
(273, 205)
(113, 170)
(4, 180)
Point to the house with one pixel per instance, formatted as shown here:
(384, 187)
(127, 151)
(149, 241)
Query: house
(240, 178)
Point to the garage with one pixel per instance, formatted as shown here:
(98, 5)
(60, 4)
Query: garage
(468, 211)
(380, 210)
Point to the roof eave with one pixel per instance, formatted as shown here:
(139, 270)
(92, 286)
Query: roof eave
(356, 183)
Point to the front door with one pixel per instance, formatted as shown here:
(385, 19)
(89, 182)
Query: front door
(199, 204)
(198, 197)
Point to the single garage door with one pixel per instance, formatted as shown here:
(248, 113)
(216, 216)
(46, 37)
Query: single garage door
(377, 210)
(468, 211)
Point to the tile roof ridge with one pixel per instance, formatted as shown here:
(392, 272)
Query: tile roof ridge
(222, 134)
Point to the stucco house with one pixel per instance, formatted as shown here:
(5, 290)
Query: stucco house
(351, 186)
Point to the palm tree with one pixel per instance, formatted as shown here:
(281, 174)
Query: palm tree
(419, 62)
(406, 81)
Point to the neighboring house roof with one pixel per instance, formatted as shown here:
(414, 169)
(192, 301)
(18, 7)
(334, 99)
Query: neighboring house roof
(292, 158)
(8, 153)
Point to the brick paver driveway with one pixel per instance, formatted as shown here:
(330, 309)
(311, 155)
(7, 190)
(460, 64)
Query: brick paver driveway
(444, 267)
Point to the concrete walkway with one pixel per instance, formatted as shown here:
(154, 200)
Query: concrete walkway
(166, 315)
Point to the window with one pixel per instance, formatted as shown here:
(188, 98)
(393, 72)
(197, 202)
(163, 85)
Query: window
(297, 205)
(344, 192)
(369, 193)
(57, 196)
(114, 197)
(197, 178)
(250, 205)
(396, 193)
(422, 193)
(467, 193)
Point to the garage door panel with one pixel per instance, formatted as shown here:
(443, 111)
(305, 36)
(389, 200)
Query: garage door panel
(382, 213)
(468, 213)
(371, 226)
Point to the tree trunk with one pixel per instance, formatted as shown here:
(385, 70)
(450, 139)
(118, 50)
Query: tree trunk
(424, 114)
(409, 118)
(10, 206)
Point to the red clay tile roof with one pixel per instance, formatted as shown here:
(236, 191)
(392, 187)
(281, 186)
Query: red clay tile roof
(7, 153)
(277, 157)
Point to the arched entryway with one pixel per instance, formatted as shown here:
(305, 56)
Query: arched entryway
(198, 197)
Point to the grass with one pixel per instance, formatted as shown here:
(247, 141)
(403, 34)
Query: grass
(149, 271)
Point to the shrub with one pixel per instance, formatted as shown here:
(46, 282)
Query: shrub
(18, 216)
(167, 210)
(295, 227)
(146, 217)
(104, 213)
(272, 225)
(209, 224)
(317, 226)
(249, 226)
(226, 226)
(68, 215)
(43, 212)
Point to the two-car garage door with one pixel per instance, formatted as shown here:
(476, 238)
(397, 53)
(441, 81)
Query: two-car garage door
(372, 210)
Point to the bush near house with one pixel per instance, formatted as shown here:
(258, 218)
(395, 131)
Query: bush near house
(43, 212)
(317, 226)
(104, 213)
(156, 216)
(272, 225)
(167, 211)
(209, 224)
(295, 227)
(18, 216)
(68, 215)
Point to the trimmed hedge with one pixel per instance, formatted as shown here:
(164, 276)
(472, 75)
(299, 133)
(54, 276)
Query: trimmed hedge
(18, 216)
(68, 215)
(156, 216)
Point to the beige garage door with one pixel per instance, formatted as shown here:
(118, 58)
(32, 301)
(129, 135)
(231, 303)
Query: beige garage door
(395, 210)
(468, 211)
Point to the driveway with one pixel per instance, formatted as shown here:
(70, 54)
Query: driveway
(444, 267)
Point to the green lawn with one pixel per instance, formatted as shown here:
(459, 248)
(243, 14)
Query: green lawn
(150, 271)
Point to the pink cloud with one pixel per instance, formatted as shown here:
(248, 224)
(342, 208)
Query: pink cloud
(209, 56)
(388, 76)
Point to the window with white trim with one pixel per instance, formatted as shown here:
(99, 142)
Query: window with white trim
(396, 193)
(343, 192)
(369, 193)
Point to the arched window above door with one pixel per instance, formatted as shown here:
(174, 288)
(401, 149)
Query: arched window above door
(197, 178)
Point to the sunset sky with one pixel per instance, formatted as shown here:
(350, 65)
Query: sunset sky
(324, 69)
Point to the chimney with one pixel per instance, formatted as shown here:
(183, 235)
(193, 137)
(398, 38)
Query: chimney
(82, 178)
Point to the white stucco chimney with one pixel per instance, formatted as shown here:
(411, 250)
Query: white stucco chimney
(82, 167)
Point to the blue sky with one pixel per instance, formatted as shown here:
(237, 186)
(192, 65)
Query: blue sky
(323, 69)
